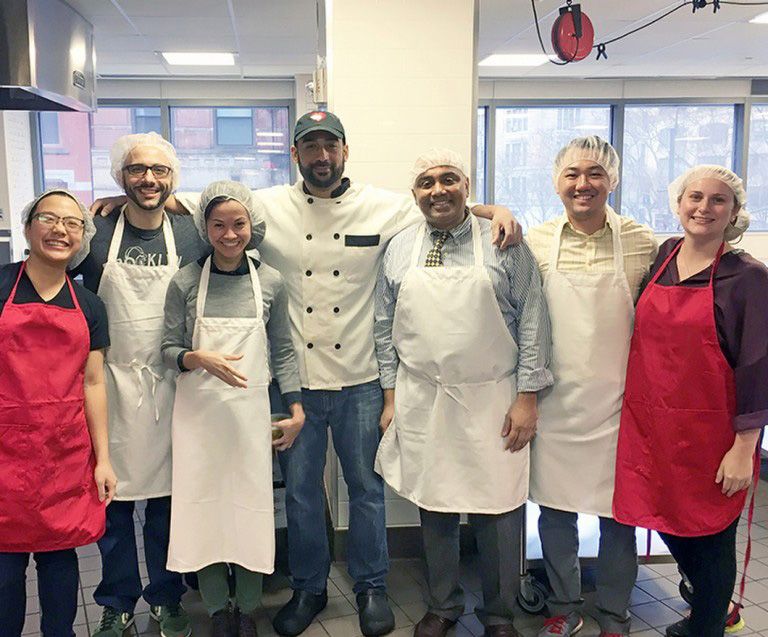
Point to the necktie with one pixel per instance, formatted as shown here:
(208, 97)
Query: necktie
(435, 254)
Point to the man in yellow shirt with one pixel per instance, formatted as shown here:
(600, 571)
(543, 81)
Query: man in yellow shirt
(592, 263)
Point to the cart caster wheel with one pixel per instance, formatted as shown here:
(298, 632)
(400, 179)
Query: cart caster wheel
(686, 591)
(532, 595)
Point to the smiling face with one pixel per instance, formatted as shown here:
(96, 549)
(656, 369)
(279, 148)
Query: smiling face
(583, 187)
(147, 191)
(706, 208)
(441, 194)
(229, 229)
(54, 244)
(320, 157)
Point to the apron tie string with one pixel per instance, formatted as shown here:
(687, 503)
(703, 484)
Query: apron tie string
(450, 388)
(138, 367)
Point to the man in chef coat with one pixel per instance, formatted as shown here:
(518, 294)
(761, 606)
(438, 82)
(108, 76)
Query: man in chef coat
(327, 236)
(463, 344)
(592, 263)
(133, 257)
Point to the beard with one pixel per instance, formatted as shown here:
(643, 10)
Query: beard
(307, 172)
(164, 193)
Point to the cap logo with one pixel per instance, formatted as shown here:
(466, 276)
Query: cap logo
(317, 116)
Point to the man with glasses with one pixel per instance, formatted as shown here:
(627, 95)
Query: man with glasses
(133, 257)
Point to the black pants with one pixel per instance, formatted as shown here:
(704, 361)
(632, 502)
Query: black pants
(709, 562)
(57, 581)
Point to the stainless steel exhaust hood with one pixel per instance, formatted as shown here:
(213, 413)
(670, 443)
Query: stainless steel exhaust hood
(47, 58)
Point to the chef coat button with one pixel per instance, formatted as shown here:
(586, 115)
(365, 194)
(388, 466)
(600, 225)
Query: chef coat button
(335, 273)
(337, 346)
(336, 310)
(310, 200)
(336, 236)
(309, 273)
(309, 237)
(309, 310)
(310, 345)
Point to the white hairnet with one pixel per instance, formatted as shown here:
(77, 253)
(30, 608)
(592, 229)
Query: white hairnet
(712, 171)
(437, 157)
(225, 190)
(592, 148)
(125, 144)
(88, 231)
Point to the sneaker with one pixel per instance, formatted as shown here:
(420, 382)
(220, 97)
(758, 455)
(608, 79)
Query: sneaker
(562, 625)
(734, 623)
(113, 623)
(246, 626)
(173, 620)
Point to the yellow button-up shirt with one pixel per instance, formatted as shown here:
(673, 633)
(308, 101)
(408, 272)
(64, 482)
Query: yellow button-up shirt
(581, 252)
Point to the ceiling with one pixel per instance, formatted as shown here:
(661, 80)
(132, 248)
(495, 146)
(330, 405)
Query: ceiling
(278, 38)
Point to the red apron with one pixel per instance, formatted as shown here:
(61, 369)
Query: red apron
(48, 497)
(677, 416)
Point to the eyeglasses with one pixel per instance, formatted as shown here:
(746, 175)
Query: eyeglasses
(139, 170)
(49, 220)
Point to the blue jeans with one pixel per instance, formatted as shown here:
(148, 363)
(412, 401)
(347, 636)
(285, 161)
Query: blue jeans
(353, 416)
(57, 581)
(120, 586)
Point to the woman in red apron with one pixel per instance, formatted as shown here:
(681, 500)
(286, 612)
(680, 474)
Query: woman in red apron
(55, 474)
(696, 396)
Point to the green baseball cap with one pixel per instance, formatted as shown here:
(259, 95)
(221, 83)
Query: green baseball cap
(318, 120)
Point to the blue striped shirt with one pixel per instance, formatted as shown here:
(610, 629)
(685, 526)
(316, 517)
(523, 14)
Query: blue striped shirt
(516, 283)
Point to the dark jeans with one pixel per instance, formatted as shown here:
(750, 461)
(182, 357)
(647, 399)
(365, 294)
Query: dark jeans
(57, 581)
(353, 417)
(120, 586)
(709, 562)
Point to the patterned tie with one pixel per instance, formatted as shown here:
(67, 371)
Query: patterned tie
(435, 254)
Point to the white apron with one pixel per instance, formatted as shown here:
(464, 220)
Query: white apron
(222, 508)
(573, 455)
(443, 450)
(139, 385)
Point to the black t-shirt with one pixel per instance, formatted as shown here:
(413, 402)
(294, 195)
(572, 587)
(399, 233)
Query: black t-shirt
(91, 305)
(140, 247)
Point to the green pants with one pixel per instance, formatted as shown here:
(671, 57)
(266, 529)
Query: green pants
(214, 587)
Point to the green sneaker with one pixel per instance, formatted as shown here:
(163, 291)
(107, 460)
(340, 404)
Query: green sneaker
(173, 619)
(113, 623)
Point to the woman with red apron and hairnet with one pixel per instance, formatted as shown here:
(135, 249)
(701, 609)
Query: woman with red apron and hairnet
(55, 474)
(696, 395)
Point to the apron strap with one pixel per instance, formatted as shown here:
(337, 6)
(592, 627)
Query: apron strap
(477, 243)
(68, 281)
(202, 292)
(614, 223)
(422, 231)
(117, 238)
(138, 367)
(750, 515)
(675, 250)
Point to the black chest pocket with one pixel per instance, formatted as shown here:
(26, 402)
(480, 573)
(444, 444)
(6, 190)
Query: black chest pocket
(361, 240)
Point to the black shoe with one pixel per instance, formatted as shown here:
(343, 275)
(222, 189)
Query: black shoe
(376, 616)
(680, 628)
(294, 618)
(223, 624)
(246, 626)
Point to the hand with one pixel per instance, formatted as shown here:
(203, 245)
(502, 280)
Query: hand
(388, 412)
(106, 205)
(217, 364)
(290, 426)
(106, 480)
(520, 422)
(505, 230)
(736, 469)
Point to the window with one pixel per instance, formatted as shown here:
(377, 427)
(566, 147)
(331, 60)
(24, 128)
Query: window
(67, 158)
(146, 120)
(204, 139)
(234, 127)
(660, 143)
(524, 153)
(49, 128)
(480, 175)
(757, 180)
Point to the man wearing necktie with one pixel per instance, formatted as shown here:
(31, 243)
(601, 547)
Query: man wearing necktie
(463, 345)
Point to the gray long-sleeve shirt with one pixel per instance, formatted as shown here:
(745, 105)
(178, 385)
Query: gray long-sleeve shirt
(516, 284)
(230, 295)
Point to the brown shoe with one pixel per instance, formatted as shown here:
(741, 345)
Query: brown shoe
(432, 625)
(501, 630)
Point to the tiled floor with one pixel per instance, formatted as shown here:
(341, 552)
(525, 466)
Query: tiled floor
(655, 600)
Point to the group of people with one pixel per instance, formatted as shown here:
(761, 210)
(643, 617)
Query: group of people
(467, 369)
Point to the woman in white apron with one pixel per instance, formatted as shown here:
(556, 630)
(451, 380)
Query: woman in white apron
(225, 315)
